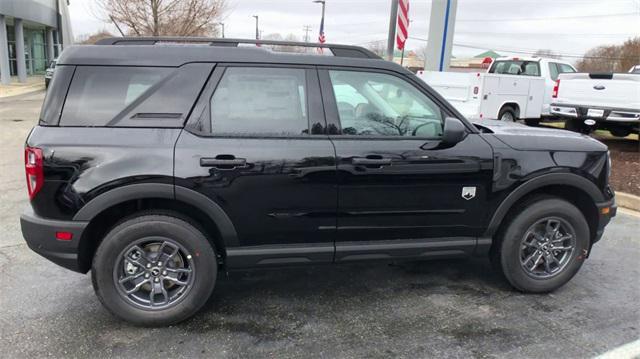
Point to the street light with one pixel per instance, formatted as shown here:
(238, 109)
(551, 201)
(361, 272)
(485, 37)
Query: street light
(257, 32)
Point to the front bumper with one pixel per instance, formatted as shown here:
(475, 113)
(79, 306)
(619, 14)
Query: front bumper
(611, 209)
(40, 235)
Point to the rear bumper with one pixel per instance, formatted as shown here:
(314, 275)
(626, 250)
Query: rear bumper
(617, 115)
(40, 235)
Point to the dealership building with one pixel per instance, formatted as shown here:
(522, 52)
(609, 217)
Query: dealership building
(32, 33)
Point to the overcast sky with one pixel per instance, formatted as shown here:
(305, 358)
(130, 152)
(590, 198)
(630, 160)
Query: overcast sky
(569, 27)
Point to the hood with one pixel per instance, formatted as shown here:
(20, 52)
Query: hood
(522, 137)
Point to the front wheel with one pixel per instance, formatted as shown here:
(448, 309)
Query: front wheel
(154, 270)
(543, 246)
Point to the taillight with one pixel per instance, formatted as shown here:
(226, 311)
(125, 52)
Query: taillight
(33, 169)
(556, 87)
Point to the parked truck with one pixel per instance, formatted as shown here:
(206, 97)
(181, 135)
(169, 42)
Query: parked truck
(513, 88)
(598, 101)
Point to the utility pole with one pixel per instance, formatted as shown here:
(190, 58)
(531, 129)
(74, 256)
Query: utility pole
(392, 29)
(306, 30)
(222, 25)
(257, 31)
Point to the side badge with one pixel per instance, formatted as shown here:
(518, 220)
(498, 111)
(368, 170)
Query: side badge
(468, 192)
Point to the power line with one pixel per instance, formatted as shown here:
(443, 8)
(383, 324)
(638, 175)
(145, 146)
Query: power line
(523, 51)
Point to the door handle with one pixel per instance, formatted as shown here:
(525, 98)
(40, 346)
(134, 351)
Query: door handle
(371, 161)
(223, 163)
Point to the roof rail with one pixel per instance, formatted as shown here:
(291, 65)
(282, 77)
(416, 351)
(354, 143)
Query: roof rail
(337, 50)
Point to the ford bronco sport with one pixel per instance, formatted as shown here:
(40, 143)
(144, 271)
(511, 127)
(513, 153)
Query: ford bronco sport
(158, 163)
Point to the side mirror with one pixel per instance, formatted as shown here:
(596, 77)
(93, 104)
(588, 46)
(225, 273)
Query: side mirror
(454, 132)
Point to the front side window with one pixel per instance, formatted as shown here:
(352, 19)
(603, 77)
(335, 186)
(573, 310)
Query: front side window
(376, 104)
(260, 101)
(98, 93)
(516, 67)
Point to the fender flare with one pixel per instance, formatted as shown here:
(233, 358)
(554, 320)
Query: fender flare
(564, 179)
(166, 191)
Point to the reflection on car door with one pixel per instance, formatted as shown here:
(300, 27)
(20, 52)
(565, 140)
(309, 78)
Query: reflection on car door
(258, 150)
(394, 184)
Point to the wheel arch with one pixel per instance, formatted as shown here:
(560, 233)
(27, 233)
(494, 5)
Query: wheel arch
(514, 105)
(107, 209)
(579, 191)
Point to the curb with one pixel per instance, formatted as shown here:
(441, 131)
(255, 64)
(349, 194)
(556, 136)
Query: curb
(628, 201)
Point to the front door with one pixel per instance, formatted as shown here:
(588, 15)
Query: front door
(396, 184)
(256, 146)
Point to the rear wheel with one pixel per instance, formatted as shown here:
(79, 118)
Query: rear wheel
(620, 131)
(154, 270)
(508, 114)
(543, 246)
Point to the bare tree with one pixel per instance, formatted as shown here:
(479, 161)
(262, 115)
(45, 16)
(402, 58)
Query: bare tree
(90, 39)
(547, 53)
(164, 17)
(612, 58)
(378, 47)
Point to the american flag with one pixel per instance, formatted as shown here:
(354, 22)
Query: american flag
(321, 38)
(403, 24)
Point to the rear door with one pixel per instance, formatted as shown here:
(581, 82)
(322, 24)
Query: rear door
(396, 186)
(255, 145)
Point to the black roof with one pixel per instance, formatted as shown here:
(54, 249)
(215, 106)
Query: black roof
(174, 52)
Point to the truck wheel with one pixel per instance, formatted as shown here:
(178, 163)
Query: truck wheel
(576, 125)
(507, 113)
(620, 131)
(154, 270)
(543, 246)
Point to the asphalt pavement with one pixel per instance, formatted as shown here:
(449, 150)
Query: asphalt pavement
(445, 308)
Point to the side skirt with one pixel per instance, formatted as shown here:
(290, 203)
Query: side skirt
(319, 253)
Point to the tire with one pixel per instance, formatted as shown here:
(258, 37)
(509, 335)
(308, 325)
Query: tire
(186, 257)
(507, 113)
(620, 131)
(534, 122)
(576, 125)
(511, 251)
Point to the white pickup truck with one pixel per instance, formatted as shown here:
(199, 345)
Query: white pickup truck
(599, 101)
(512, 88)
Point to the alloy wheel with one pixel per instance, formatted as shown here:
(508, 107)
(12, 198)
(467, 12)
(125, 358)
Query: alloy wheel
(547, 247)
(154, 273)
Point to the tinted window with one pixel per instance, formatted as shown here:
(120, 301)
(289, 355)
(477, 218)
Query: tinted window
(516, 67)
(553, 71)
(260, 101)
(374, 104)
(98, 94)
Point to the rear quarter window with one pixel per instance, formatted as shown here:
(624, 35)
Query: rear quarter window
(98, 93)
(119, 96)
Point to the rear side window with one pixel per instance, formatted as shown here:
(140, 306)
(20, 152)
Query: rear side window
(516, 67)
(553, 71)
(564, 68)
(98, 93)
(260, 101)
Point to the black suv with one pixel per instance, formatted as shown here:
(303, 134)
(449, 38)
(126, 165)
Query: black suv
(159, 162)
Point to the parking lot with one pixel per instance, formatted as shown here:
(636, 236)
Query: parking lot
(452, 308)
